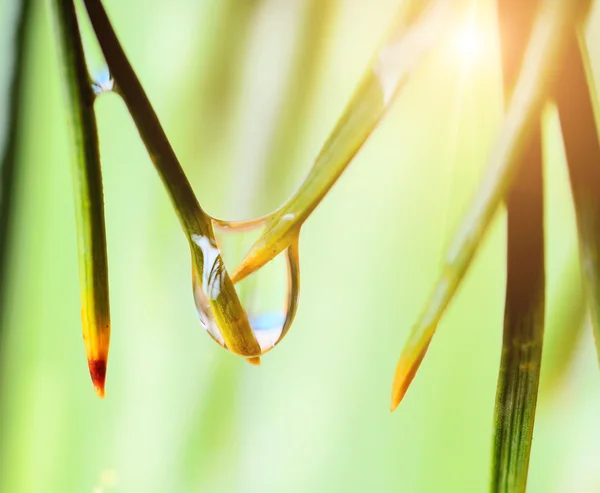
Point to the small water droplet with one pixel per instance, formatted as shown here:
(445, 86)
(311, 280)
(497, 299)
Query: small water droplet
(103, 82)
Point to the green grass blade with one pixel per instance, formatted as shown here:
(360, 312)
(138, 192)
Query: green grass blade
(518, 380)
(576, 99)
(215, 295)
(89, 201)
(544, 52)
(9, 153)
(393, 65)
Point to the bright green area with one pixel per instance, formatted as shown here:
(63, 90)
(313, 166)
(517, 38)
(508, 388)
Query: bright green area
(181, 414)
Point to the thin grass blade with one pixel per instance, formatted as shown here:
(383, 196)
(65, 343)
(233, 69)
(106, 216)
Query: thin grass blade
(544, 53)
(395, 62)
(10, 145)
(89, 201)
(518, 380)
(216, 299)
(576, 100)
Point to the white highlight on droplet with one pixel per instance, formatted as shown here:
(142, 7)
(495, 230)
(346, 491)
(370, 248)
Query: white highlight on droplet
(288, 217)
(212, 271)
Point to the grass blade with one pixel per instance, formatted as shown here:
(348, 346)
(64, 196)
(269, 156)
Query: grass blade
(89, 202)
(215, 295)
(544, 52)
(518, 380)
(395, 62)
(575, 99)
(9, 156)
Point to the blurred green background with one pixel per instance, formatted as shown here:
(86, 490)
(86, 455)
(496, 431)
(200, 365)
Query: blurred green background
(247, 91)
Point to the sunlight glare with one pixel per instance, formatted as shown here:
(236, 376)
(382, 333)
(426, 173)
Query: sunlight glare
(469, 44)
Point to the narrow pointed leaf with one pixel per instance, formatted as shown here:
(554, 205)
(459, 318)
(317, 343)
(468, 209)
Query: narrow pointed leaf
(394, 63)
(576, 99)
(216, 299)
(89, 202)
(544, 53)
(518, 380)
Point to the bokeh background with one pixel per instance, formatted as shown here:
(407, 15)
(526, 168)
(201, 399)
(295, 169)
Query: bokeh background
(248, 91)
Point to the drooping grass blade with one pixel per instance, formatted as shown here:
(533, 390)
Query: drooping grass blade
(544, 53)
(283, 144)
(575, 100)
(89, 201)
(518, 380)
(216, 299)
(394, 63)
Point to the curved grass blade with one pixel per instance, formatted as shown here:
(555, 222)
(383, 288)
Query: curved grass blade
(9, 156)
(215, 295)
(394, 63)
(518, 380)
(575, 99)
(89, 202)
(544, 52)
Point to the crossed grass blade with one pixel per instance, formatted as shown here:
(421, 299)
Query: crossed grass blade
(215, 295)
(544, 52)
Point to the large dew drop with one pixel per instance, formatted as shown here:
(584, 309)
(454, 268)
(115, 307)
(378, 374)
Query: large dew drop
(259, 293)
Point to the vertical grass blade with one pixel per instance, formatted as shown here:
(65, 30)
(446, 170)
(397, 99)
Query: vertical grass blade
(215, 296)
(394, 63)
(518, 380)
(89, 202)
(575, 99)
(9, 151)
(544, 53)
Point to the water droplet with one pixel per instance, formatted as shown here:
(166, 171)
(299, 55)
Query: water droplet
(269, 326)
(103, 82)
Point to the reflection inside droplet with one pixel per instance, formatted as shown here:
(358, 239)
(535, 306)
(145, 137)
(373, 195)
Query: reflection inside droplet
(267, 327)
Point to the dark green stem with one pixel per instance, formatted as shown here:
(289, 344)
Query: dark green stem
(162, 154)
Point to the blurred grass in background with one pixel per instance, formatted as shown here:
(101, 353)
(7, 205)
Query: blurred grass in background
(183, 415)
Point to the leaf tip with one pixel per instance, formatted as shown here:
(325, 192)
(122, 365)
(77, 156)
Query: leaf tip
(255, 361)
(410, 361)
(98, 374)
